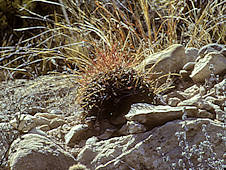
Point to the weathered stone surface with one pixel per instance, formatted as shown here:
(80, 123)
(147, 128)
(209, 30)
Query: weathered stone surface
(201, 70)
(35, 152)
(205, 114)
(132, 127)
(189, 92)
(76, 134)
(106, 150)
(191, 102)
(54, 123)
(189, 66)
(160, 148)
(191, 54)
(152, 116)
(7, 135)
(44, 127)
(214, 47)
(25, 123)
(48, 115)
(106, 134)
(171, 59)
(152, 140)
(173, 101)
(184, 73)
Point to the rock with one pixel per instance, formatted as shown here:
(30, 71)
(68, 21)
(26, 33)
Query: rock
(205, 114)
(173, 101)
(152, 116)
(76, 134)
(189, 66)
(221, 88)
(48, 115)
(78, 167)
(56, 123)
(214, 47)
(189, 92)
(191, 102)
(201, 70)
(220, 115)
(3, 118)
(44, 127)
(56, 133)
(34, 109)
(56, 111)
(171, 59)
(132, 127)
(161, 148)
(92, 140)
(191, 54)
(184, 73)
(92, 155)
(107, 134)
(173, 94)
(27, 122)
(38, 131)
(8, 135)
(36, 152)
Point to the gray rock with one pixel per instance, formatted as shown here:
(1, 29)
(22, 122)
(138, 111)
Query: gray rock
(184, 73)
(54, 123)
(189, 92)
(214, 47)
(201, 70)
(44, 128)
(25, 122)
(56, 111)
(132, 127)
(76, 134)
(93, 155)
(171, 59)
(191, 54)
(173, 101)
(189, 66)
(107, 134)
(48, 115)
(160, 148)
(135, 127)
(7, 135)
(205, 114)
(220, 115)
(36, 152)
(152, 116)
(38, 131)
(194, 101)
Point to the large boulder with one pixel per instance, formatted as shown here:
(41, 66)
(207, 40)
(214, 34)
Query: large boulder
(35, 152)
(175, 145)
(172, 59)
(202, 67)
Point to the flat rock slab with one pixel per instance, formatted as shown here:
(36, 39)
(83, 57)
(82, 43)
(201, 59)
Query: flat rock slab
(152, 116)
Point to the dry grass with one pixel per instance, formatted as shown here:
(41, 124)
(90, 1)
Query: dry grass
(69, 40)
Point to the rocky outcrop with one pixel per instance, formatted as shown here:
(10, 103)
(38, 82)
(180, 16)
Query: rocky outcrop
(32, 151)
(171, 59)
(161, 148)
(182, 130)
